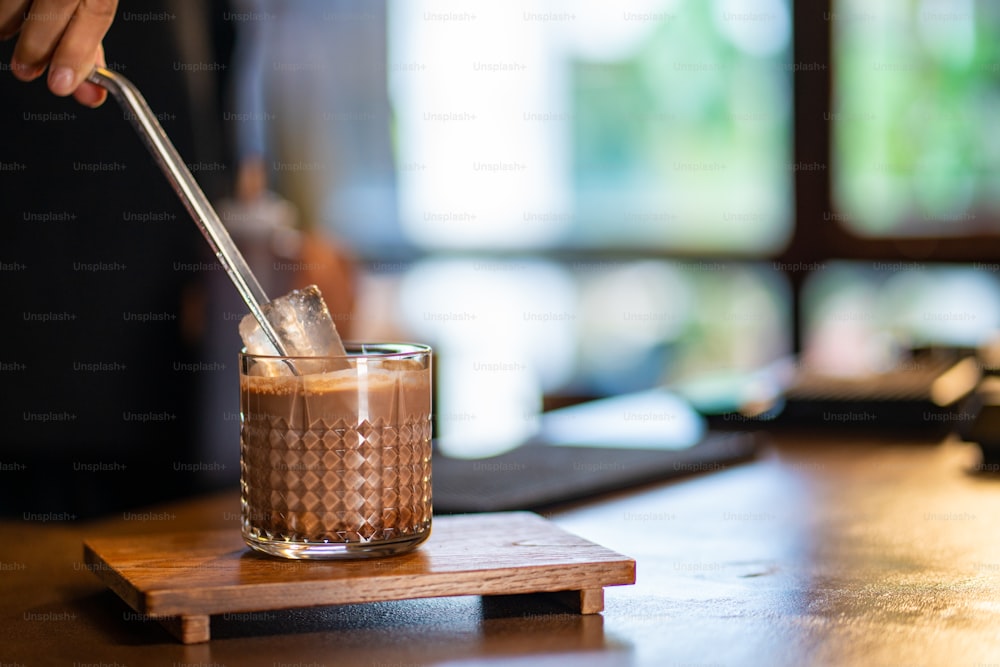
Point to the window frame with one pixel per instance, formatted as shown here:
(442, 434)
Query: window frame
(813, 144)
(818, 233)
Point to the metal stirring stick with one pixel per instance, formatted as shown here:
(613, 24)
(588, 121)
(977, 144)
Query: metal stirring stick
(190, 193)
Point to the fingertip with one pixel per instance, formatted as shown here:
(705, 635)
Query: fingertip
(62, 80)
(90, 95)
(24, 71)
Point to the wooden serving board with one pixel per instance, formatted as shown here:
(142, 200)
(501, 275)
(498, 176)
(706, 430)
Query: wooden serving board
(181, 579)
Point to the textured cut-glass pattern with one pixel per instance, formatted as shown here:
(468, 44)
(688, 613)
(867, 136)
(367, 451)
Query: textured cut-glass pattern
(336, 482)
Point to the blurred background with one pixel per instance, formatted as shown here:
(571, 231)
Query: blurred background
(567, 199)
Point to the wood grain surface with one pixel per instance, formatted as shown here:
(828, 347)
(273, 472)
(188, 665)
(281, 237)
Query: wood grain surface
(193, 575)
(827, 550)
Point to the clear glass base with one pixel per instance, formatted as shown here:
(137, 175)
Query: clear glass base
(335, 550)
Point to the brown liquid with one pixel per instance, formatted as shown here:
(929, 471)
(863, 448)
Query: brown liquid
(319, 465)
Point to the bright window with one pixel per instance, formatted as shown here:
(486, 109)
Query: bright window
(916, 102)
(653, 124)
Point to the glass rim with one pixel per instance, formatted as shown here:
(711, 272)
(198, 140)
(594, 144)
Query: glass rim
(378, 350)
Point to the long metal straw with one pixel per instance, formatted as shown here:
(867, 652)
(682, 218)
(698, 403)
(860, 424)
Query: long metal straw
(190, 193)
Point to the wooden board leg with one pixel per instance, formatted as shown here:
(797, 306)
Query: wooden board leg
(188, 629)
(586, 601)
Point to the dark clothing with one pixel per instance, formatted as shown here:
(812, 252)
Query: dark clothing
(102, 272)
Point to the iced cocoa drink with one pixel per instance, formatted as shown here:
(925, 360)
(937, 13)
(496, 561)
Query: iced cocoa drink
(337, 464)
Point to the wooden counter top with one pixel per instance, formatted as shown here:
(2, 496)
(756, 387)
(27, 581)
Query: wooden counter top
(822, 552)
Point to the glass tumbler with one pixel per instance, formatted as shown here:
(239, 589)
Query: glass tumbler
(336, 464)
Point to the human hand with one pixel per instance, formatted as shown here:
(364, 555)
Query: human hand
(62, 35)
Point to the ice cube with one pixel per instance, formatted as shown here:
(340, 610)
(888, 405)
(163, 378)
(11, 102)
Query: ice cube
(305, 328)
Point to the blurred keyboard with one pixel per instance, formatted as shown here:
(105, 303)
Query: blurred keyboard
(920, 397)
